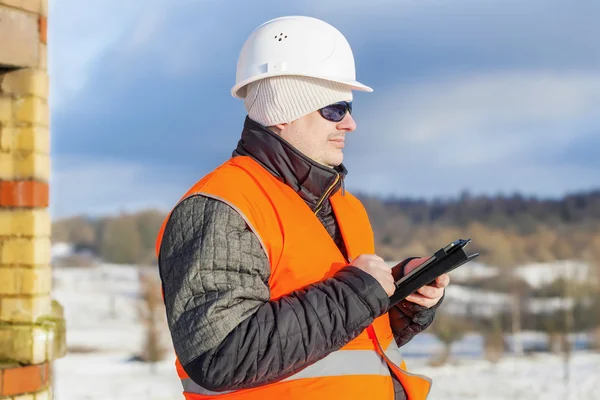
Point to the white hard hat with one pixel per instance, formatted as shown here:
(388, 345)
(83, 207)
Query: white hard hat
(296, 45)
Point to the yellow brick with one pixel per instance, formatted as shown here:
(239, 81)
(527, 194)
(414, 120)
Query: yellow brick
(31, 5)
(7, 280)
(31, 223)
(24, 309)
(6, 217)
(31, 166)
(26, 222)
(25, 251)
(44, 8)
(27, 81)
(23, 397)
(35, 281)
(43, 55)
(43, 395)
(32, 138)
(6, 137)
(6, 166)
(12, 3)
(25, 281)
(28, 344)
(31, 110)
(23, 33)
(5, 109)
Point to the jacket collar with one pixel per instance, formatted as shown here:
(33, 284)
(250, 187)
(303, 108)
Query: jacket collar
(313, 182)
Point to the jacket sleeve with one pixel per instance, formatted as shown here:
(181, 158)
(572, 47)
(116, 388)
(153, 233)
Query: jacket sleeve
(408, 319)
(226, 331)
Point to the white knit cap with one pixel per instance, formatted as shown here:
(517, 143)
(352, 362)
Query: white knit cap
(282, 99)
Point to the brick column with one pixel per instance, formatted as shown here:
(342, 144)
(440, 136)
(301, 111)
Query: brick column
(32, 329)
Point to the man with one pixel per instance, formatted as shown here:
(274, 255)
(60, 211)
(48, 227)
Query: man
(271, 284)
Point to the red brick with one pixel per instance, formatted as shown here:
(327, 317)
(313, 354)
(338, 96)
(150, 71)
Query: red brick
(43, 29)
(24, 194)
(19, 380)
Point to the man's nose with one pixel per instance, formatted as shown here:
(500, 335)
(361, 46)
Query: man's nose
(347, 124)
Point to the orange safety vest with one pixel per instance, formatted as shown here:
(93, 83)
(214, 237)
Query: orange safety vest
(301, 252)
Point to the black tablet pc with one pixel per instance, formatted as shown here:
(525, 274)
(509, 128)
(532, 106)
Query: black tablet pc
(442, 261)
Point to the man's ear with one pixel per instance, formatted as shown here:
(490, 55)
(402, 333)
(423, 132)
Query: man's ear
(278, 128)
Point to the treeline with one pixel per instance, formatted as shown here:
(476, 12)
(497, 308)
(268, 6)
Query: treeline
(506, 230)
(515, 213)
(123, 239)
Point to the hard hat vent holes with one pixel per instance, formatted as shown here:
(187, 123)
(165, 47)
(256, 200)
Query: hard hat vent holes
(280, 37)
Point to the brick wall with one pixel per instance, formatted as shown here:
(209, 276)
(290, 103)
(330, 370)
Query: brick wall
(32, 329)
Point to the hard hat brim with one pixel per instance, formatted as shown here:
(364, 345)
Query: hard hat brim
(239, 90)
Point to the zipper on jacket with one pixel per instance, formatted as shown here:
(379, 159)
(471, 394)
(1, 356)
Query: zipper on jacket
(320, 203)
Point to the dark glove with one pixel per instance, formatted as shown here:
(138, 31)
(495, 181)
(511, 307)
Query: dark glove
(407, 319)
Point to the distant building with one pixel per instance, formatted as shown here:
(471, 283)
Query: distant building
(73, 255)
(464, 298)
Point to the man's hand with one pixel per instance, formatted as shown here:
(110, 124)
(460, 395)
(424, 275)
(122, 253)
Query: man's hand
(427, 296)
(375, 266)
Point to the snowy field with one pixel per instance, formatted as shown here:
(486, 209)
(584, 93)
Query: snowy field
(104, 334)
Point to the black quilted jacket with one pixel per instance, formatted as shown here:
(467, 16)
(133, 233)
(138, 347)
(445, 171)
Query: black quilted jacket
(226, 331)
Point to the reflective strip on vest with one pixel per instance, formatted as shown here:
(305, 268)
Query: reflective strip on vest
(393, 353)
(338, 363)
(192, 387)
(395, 356)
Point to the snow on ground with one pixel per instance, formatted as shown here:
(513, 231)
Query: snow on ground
(540, 274)
(537, 377)
(104, 333)
(108, 375)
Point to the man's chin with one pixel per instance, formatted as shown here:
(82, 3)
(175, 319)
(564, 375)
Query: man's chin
(335, 161)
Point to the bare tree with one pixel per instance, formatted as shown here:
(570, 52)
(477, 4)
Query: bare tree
(151, 312)
(448, 329)
(509, 253)
(493, 340)
(568, 322)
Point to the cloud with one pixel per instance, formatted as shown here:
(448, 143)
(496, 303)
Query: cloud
(79, 33)
(489, 106)
(508, 89)
(100, 187)
(168, 38)
(406, 37)
(499, 129)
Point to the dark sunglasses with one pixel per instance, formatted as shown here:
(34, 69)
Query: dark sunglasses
(337, 111)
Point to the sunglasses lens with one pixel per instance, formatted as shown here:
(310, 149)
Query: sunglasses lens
(336, 112)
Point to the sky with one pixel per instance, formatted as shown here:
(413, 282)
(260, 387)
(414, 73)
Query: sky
(493, 97)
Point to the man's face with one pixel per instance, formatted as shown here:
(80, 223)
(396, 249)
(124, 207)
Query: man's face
(317, 138)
